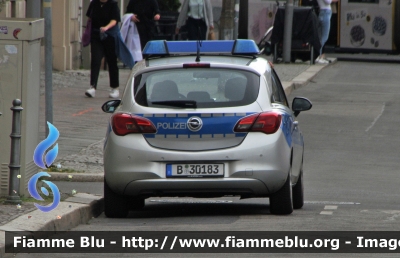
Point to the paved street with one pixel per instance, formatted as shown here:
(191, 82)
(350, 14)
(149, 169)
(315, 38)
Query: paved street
(352, 135)
(351, 169)
(351, 138)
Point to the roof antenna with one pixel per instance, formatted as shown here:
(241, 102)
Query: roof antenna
(199, 42)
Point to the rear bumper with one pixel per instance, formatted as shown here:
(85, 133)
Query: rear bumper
(257, 167)
(198, 187)
(249, 184)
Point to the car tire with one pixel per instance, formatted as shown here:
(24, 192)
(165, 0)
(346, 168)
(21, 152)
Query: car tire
(281, 202)
(115, 205)
(136, 203)
(298, 192)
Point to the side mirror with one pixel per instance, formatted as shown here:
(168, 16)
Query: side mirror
(111, 105)
(300, 104)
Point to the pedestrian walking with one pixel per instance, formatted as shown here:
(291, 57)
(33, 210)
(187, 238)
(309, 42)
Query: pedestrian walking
(197, 15)
(324, 18)
(106, 41)
(145, 13)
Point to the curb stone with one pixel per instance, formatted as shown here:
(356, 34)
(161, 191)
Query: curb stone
(305, 77)
(77, 177)
(75, 210)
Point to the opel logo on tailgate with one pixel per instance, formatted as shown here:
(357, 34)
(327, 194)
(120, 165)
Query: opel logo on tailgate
(195, 123)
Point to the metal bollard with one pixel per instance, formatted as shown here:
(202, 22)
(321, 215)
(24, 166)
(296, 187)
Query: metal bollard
(15, 158)
(287, 31)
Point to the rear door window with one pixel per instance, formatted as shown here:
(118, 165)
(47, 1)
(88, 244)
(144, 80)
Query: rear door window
(278, 93)
(203, 88)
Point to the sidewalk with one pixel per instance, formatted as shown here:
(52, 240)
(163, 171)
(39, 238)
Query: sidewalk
(82, 127)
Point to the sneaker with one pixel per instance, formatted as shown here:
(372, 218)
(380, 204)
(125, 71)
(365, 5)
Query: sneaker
(91, 92)
(329, 61)
(322, 61)
(114, 93)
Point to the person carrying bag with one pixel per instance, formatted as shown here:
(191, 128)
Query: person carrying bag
(88, 31)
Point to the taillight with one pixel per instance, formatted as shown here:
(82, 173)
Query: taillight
(124, 124)
(267, 122)
(245, 123)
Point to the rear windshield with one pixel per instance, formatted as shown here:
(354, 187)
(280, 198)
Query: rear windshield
(198, 87)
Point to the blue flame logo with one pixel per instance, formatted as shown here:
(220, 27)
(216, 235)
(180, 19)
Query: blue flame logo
(33, 191)
(44, 160)
(44, 145)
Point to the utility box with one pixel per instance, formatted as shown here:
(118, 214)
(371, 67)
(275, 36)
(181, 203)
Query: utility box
(19, 79)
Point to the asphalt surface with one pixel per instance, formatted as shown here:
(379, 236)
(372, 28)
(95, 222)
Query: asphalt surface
(82, 126)
(351, 171)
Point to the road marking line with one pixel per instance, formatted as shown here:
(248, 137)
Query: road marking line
(330, 207)
(190, 201)
(376, 118)
(326, 212)
(82, 112)
(332, 203)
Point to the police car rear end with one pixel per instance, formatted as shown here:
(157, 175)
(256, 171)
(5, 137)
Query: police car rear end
(203, 121)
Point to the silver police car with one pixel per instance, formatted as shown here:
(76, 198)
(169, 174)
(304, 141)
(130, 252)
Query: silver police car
(203, 119)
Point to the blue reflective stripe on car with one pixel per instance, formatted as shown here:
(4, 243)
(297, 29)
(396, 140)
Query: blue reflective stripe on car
(215, 125)
(286, 127)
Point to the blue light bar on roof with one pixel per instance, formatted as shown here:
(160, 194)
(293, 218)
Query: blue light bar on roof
(234, 47)
(156, 47)
(245, 47)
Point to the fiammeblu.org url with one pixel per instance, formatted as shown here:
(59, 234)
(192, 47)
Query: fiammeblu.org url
(231, 242)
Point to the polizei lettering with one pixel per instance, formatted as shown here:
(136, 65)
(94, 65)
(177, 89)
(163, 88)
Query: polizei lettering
(170, 126)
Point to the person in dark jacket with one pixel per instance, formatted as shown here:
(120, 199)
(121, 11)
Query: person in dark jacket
(105, 14)
(145, 13)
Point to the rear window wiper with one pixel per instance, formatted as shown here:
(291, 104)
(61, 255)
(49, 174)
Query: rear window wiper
(177, 103)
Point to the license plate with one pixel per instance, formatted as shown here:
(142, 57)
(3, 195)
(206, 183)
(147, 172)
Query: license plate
(195, 170)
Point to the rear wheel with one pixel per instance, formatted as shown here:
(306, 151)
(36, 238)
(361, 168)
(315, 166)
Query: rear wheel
(115, 205)
(298, 192)
(281, 202)
(136, 203)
